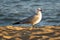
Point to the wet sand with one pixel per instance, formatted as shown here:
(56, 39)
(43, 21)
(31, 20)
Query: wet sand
(29, 33)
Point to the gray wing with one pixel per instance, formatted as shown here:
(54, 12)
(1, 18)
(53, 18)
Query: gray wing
(27, 20)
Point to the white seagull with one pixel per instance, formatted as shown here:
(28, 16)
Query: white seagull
(32, 19)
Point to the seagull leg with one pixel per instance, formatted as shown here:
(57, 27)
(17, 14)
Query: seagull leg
(33, 26)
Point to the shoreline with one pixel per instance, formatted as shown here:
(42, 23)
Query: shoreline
(25, 33)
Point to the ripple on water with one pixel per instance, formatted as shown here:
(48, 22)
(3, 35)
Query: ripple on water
(25, 0)
(53, 20)
(2, 15)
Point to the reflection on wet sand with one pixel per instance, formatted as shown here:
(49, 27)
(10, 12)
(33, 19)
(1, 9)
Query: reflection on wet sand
(27, 33)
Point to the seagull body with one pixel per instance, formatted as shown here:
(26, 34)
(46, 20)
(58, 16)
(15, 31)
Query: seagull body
(32, 19)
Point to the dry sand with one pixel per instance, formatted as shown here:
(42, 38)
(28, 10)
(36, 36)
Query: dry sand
(25, 33)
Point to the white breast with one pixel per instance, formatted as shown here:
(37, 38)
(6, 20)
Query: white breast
(39, 18)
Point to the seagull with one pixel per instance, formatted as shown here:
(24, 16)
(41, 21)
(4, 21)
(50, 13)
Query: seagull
(34, 19)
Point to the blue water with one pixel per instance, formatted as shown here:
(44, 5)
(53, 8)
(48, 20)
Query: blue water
(15, 10)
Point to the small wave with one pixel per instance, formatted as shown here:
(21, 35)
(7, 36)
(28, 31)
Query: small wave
(9, 19)
(58, 14)
(25, 0)
(54, 20)
(35, 5)
(2, 15)
(19, 6)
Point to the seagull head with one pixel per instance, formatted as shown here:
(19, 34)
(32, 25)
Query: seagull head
(39, 9)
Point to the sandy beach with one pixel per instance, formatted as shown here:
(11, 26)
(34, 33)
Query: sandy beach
(28, 33)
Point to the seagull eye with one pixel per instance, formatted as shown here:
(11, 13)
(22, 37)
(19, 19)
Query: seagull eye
(40, 10)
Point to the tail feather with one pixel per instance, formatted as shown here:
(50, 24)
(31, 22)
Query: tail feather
(16, 23)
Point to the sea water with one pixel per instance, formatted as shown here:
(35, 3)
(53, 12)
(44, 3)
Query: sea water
(15, 10)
